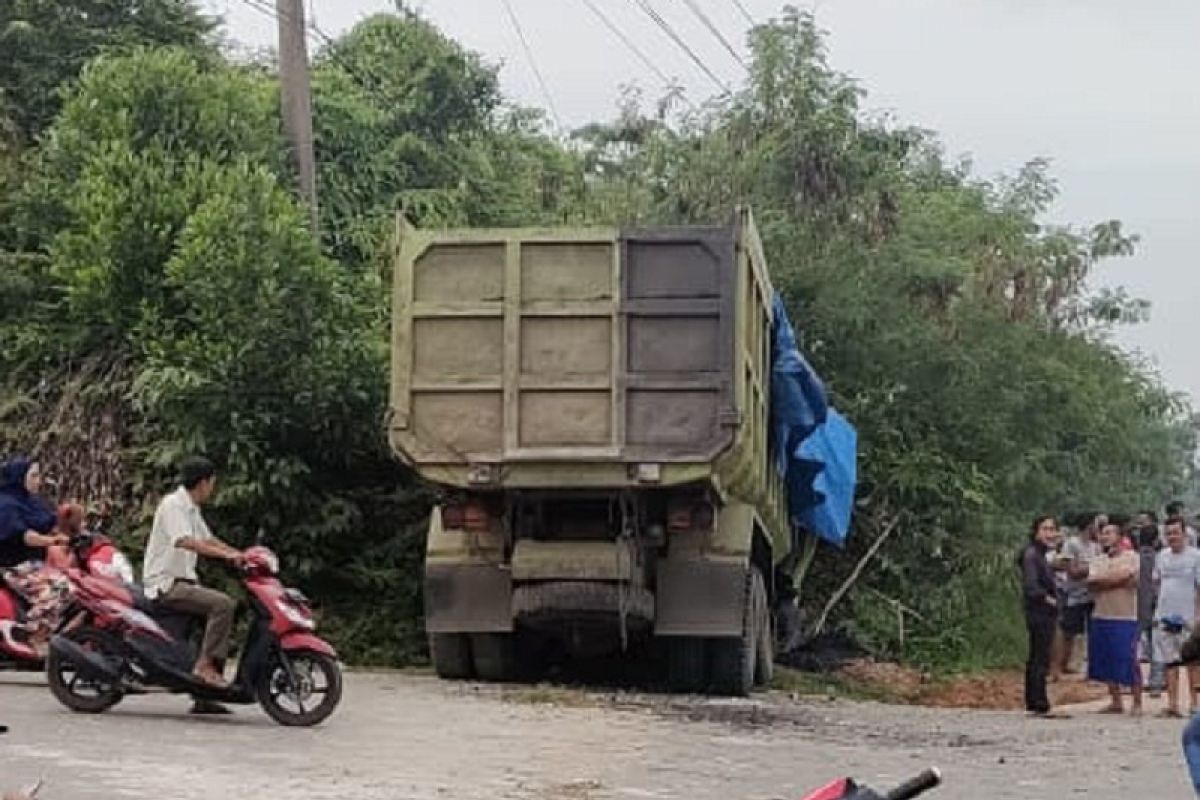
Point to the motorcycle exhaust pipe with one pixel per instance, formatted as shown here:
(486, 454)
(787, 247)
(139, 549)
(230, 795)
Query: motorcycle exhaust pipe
(88, 663)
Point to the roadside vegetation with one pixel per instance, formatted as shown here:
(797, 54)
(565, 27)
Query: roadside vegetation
(161, 294)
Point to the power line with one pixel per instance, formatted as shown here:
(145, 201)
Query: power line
(369, 86)
(714, 30)
(675, 37)
(262, 7)
(745, 13)
(633, 48)
(537, 73)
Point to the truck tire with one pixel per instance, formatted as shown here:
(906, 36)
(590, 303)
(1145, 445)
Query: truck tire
(735, 659)
(494, 656)
(451, 656)
(764, 670)
(686, 671)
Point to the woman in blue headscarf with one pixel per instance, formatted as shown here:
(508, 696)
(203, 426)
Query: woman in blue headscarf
(26, 520)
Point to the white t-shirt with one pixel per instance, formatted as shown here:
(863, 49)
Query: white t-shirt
(178, 517)
(1177, 575)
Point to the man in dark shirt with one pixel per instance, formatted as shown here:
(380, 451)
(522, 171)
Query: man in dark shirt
(1147, 537)
(1038, 588)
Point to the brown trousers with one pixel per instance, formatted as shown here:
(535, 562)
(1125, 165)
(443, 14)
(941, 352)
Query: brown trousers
(216, 607)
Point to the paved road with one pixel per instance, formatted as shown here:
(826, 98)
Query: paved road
(404, 736)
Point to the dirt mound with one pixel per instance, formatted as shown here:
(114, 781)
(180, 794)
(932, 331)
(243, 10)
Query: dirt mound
(895, 680)
(1000, 690)
(1005, 690)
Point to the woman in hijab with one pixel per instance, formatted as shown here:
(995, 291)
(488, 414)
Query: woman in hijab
(26, 520)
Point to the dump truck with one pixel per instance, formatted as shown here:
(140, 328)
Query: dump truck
(593, 404)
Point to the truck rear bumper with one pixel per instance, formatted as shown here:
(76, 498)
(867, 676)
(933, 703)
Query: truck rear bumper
(693, 598)
(468, 598)
(554, 602)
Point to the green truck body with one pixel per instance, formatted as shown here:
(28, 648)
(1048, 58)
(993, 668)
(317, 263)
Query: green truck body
(595, 404)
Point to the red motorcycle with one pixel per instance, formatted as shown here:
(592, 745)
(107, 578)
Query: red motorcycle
(847, 789)
(114, 643)
(89, 552)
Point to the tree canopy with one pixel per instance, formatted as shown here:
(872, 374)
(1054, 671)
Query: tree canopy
(47, 42)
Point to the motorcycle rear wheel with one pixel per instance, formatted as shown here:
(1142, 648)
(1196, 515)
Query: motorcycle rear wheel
(317, 675)
(72, 689)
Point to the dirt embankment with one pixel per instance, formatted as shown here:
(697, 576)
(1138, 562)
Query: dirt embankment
(999, 690)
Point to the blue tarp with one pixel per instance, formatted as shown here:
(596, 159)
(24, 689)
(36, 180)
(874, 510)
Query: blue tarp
(815, 446)
(834, 445)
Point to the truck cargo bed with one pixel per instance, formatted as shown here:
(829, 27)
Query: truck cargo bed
(579, 357)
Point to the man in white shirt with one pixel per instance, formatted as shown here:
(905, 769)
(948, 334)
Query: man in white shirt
(178, 538)
(1177, 576)
(1177, 508)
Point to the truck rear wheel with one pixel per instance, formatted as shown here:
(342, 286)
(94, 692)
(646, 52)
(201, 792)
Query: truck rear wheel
(764, 670)
(735, 659)
(451, 656)
(686, 664)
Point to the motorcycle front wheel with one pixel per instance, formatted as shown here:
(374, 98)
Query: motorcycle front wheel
(300, 688)
(71, 687)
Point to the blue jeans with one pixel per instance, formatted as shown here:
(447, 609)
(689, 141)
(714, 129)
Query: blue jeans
(1191, 751)
(1158, 670)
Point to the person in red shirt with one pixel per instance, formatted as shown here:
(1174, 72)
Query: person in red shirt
(68, 523)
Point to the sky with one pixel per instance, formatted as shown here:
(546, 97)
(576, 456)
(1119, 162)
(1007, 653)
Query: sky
(1108, 90)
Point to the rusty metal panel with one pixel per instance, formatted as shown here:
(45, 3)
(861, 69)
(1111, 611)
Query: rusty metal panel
(566, 271)
(459, 273)
(670, 421)
(565, 418)
(679, 289)
(452, 425)
(676, 263)
(684, 345)
(457, 349)
(566, 348)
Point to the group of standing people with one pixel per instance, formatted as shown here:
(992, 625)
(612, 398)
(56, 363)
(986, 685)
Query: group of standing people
(1130, 587)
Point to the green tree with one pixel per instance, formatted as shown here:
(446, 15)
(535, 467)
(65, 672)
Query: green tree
(182, 296)
(47, 42)
(952, 325)
(406, 119)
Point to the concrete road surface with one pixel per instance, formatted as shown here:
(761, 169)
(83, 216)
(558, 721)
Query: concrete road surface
(404, 736)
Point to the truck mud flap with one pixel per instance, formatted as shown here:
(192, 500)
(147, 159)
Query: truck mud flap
(468, 598)
(700, 598)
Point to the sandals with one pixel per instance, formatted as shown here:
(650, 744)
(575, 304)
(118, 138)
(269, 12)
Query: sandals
(1049, 715)
(212, 679)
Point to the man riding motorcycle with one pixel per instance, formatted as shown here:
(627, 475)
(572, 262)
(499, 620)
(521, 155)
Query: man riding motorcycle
(179, 536)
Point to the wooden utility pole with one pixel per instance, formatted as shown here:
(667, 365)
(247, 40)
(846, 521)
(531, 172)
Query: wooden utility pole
(296, 97)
